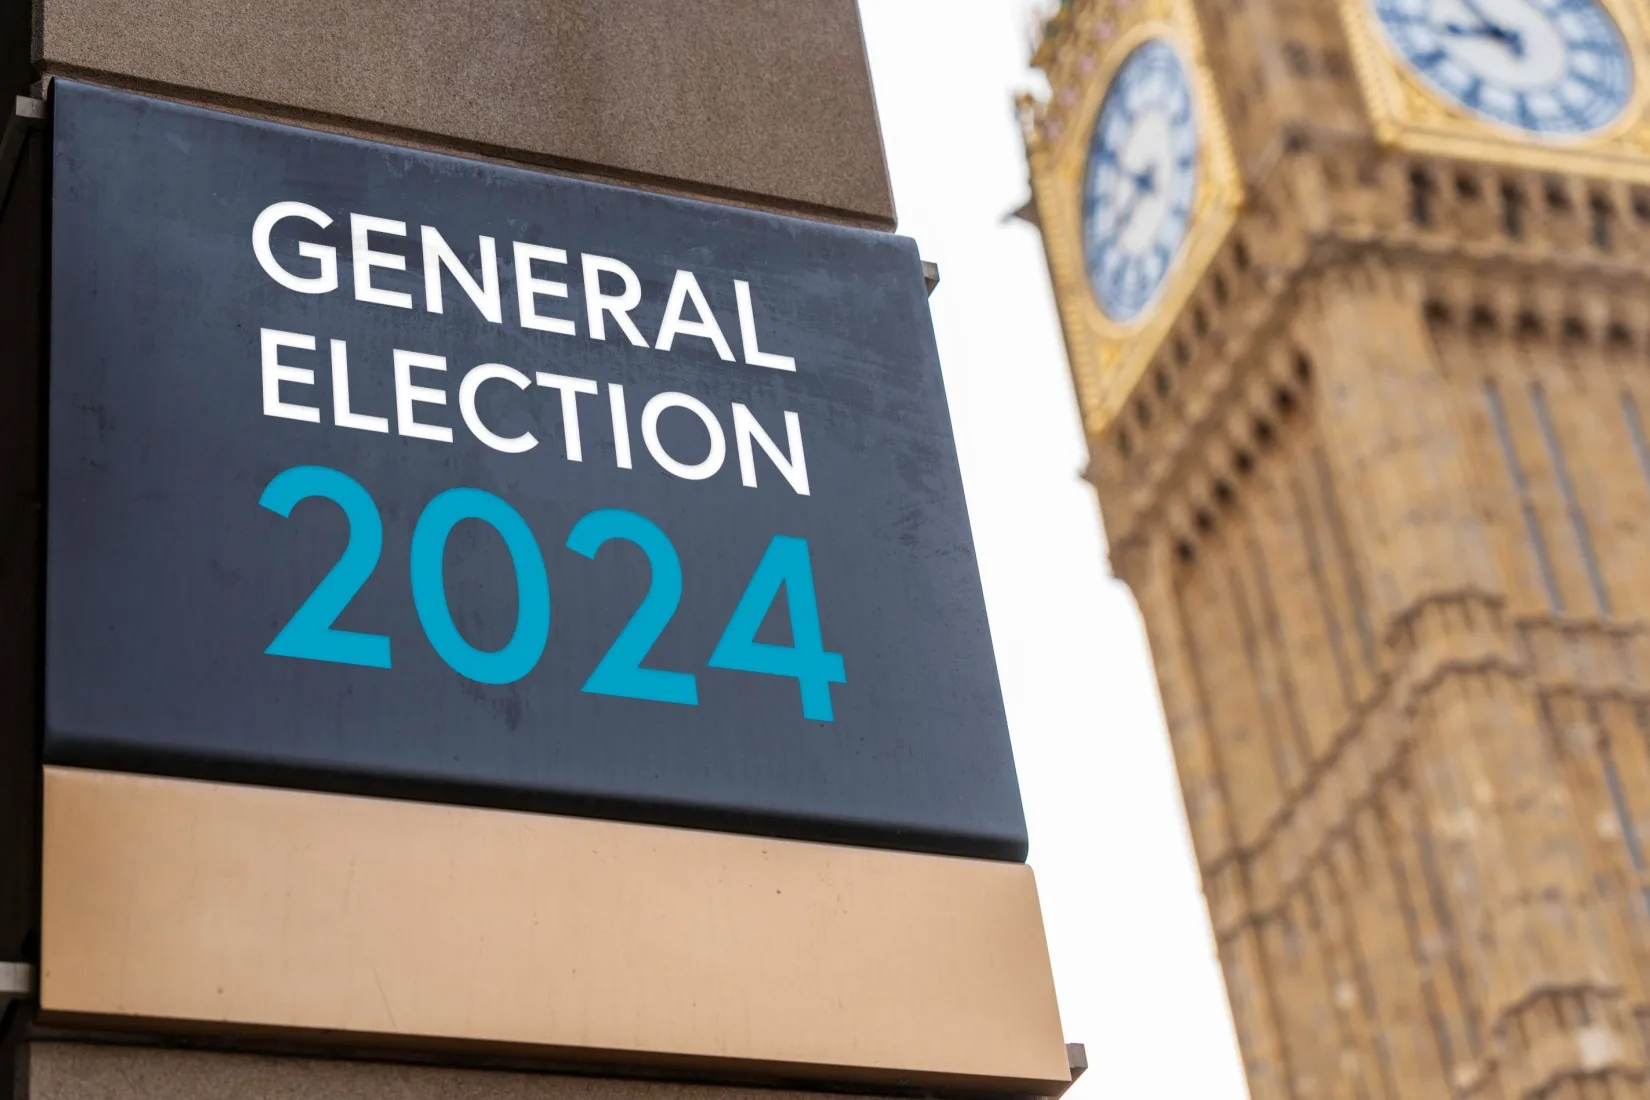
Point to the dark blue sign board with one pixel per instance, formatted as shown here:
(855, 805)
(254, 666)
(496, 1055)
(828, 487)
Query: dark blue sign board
(380, 471)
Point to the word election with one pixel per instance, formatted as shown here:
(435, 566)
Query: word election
(601, 306)
(748, 433)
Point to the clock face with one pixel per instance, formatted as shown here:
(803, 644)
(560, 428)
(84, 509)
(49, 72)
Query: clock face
(1142, 179)
(1554, 67)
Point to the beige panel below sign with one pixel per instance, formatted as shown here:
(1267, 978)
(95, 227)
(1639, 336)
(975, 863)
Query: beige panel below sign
(189, 904)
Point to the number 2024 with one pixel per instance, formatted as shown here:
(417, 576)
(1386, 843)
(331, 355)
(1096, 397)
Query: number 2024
(310, 635)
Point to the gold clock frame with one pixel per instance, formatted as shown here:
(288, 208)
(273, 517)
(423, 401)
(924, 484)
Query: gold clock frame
(1409, 116)
(1108, 357)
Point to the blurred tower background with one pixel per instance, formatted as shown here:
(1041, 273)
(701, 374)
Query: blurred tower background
(1354, 298)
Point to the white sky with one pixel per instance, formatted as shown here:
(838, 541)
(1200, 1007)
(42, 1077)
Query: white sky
(1133, 955)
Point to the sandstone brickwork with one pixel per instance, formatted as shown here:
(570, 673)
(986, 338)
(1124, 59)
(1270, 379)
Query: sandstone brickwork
(1383, 498)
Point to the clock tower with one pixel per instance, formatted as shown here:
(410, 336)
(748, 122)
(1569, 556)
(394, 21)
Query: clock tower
(1354, 295)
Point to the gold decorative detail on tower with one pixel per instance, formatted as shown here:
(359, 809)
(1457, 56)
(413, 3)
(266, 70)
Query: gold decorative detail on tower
(1107, 356)
(1407, 116)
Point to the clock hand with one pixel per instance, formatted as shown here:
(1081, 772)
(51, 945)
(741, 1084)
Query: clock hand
(1511, 39)
(1478, 13)
(1487, 28)
(1145, 183)
(1125, 214)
